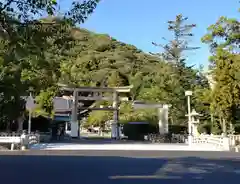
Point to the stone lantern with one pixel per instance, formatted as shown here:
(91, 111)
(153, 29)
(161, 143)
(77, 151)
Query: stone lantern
(194, 122)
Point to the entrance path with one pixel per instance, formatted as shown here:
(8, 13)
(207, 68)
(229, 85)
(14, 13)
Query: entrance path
(122, 146)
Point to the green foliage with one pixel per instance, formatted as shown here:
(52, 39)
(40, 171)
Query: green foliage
(98, 59)
(224, 39)
(177, 77)
(128, 114)
(31, 50)
(98, 118)
(38, 54)
(45, 98)
(173, 51)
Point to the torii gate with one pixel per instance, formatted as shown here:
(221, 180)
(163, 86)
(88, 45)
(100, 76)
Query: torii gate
(162, 113)
(97, 94)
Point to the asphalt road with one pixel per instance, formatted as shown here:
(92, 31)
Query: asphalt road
(106, 167)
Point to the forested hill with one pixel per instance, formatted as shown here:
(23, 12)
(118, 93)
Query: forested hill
(99, 59)
(74, 56)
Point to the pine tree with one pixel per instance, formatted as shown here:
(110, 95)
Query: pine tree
(173, 51)
(224, 40)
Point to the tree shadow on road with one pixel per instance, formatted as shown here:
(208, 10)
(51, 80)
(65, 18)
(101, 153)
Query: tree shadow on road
(113, 169)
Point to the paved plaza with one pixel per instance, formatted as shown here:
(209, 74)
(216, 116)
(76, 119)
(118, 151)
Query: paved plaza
(123, 146)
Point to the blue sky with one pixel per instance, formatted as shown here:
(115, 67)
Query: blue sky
(139, 22)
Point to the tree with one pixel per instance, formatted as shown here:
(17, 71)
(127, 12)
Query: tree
(173, 51)
(223, 39)
(179, 76)
(98, 118)
(28, 39)
(83, 58)
(29, 47)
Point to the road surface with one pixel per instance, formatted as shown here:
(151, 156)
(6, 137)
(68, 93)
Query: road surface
(119, 167)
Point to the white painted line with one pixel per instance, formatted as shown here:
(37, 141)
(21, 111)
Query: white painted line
(144, 177)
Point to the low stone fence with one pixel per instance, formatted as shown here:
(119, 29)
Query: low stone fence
(23, 141)
(216, 141)
(225, 142)
(10, 141)
(9, 134)
(180, 138)
(167, 138)
(230, 142)
(234, 140)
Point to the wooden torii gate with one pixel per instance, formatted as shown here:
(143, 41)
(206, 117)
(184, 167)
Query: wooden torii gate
(97, 93)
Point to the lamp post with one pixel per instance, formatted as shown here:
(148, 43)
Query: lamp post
(188, 94)
(30, 105)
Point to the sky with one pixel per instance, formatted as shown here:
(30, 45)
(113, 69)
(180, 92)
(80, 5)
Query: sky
(141, 22)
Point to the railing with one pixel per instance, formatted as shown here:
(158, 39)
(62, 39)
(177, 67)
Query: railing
(17, 139)
(9, 134)
(209, 139)
(226, 143)
(180, 138)
(234, 140)
(167, 138)
(10, 138)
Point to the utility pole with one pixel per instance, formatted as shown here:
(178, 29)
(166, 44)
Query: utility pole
(30, 105)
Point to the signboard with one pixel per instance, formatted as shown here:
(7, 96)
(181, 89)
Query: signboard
(30, 104)
(144, 105)
(61, 104)
(62, 118)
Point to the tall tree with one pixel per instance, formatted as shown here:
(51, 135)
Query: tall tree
(29, 46)
(224, 39)
(182, 76)
(174, 50)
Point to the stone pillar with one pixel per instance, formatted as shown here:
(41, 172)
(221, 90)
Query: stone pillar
(163, 119)
(195, 128)
(66, 127)
(74, 119)
(160, 121)
(115, 113)
(24, 141)
(226, 144)
(113, 129)
(190, 140)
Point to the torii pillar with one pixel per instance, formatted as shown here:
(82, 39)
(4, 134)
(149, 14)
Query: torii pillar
(74, 116)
